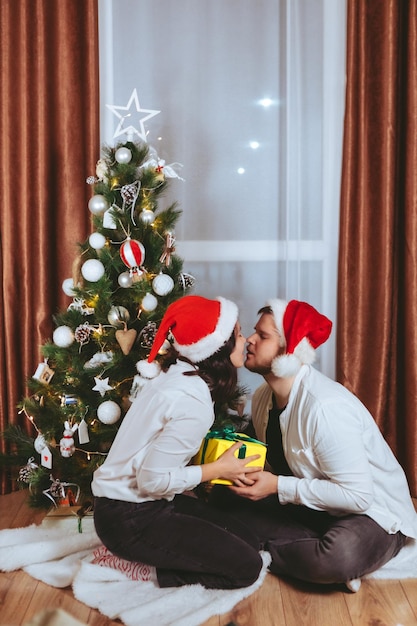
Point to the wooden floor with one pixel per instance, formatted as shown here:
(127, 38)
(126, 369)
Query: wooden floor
(276, 603)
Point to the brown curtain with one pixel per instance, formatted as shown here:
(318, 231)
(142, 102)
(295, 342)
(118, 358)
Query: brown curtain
(49, 129)
(377, 294)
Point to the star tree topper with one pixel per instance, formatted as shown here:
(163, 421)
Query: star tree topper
(132, 107)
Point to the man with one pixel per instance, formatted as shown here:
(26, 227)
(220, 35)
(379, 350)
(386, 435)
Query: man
(333, 503)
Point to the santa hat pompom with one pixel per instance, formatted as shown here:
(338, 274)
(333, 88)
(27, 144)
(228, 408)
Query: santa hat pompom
(289, 364)
(303, 329)
(148, 370)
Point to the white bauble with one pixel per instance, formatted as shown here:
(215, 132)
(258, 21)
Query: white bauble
(68, 287)
(147, 216)
(123, 155)
(118, 315)
(109, 412)
(149, 302)
(98, 204)
(125, 280)
(162, 284)
(63, 336)
(97, 241)
(92, 270)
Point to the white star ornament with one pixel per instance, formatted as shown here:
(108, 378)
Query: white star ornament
(132, 107)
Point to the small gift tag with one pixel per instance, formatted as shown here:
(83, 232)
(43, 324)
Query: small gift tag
(83, 432)
(43, 373)
(109, 221)
(46, 458)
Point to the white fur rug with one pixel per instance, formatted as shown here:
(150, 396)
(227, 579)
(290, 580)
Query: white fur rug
(57, 554)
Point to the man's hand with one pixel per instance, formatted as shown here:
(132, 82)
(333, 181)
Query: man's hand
(257, 486)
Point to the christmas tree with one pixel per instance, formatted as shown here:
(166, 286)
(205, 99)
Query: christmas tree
(124, 277)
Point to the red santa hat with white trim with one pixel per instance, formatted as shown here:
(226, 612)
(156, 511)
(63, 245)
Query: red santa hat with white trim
(198, 326)
(303, 328)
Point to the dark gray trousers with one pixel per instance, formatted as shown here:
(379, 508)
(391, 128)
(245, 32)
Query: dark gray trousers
(312, 545)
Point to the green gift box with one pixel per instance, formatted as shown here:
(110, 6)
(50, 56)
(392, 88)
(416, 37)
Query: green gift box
(218, 441)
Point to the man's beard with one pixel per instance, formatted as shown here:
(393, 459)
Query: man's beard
(263, 370)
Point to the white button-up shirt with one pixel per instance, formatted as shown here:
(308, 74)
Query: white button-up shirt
(160, 434)
(340, 460)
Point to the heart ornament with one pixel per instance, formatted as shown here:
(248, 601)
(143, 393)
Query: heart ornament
(126, 339)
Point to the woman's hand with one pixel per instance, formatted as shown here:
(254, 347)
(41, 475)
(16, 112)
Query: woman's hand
(229, 467)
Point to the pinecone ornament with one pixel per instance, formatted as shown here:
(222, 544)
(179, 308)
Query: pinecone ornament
(82, 333)
(186, 281)
(27, 471)
(147, 335)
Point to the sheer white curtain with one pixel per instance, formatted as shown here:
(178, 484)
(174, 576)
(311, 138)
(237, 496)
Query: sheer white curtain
(251, 101)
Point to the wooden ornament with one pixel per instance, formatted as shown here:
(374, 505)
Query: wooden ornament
(126, 339)
(77, 278)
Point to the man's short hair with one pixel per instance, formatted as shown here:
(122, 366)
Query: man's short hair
(265, 309)
(268, 310)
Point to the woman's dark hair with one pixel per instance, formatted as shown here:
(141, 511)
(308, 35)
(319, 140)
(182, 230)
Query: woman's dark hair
(217, 370)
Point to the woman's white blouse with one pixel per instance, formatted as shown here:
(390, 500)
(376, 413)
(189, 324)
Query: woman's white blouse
(160, 434)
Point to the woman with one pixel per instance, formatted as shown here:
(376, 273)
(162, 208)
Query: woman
(141, 512)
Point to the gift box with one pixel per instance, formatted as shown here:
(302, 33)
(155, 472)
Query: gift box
(69, 519)
(218, 441)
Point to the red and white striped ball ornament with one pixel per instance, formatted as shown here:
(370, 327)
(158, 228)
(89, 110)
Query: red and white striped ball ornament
(132, 253)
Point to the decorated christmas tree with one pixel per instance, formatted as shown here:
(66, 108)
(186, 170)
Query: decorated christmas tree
(124, 277)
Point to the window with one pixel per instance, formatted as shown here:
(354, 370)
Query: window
(251, 100)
